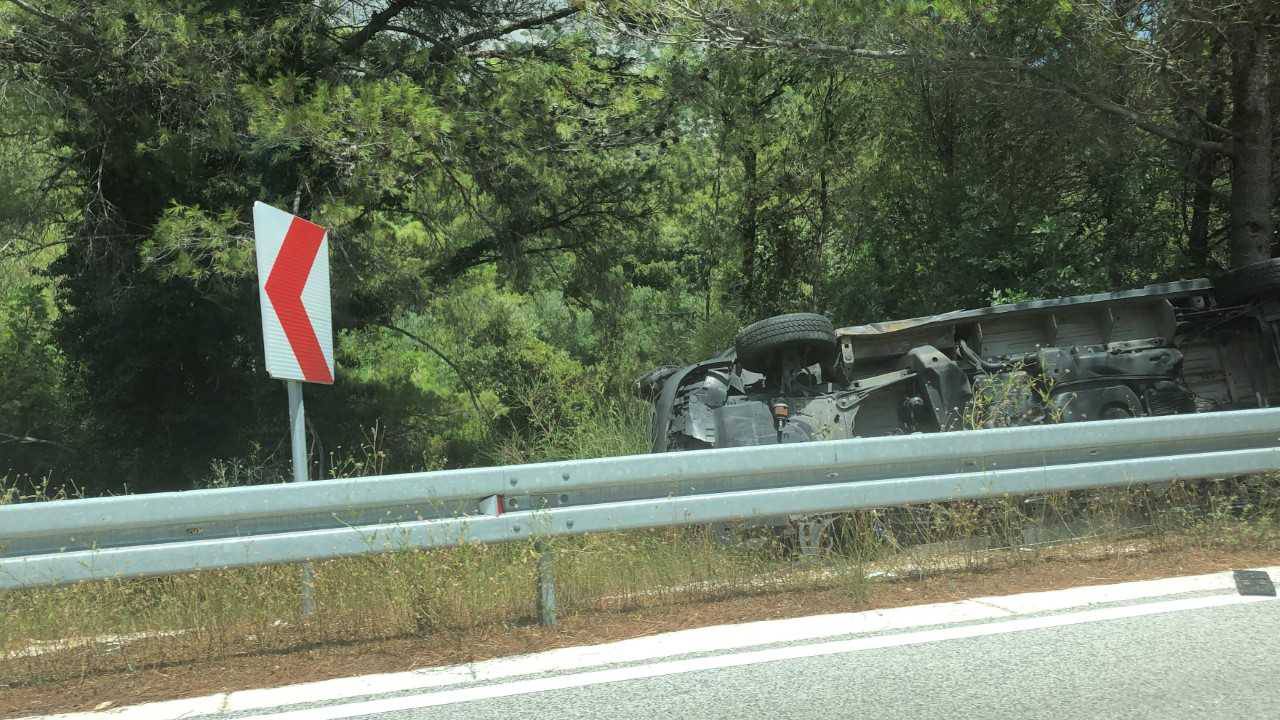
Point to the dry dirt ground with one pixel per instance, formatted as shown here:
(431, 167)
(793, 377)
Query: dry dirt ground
(244, 670)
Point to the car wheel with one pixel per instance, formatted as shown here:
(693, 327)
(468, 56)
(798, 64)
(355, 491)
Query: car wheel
(811, 336)
(1247, 282)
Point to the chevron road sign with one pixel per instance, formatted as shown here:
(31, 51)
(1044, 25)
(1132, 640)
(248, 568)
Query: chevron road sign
(293, 285)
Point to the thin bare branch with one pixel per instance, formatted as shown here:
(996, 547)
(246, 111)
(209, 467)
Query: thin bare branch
(475, 402)
(1162, 131)
(12, 439)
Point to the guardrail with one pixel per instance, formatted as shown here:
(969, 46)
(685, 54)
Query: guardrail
(62, 542)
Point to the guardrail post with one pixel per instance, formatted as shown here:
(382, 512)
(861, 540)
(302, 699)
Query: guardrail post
(546, 584)
(298, 443)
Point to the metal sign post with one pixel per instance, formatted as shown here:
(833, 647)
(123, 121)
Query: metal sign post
(298, 443)
(297, 326)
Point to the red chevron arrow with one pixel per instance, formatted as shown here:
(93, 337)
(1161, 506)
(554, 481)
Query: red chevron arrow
(284, 287)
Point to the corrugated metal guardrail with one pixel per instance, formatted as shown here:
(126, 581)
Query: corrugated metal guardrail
(54, 543)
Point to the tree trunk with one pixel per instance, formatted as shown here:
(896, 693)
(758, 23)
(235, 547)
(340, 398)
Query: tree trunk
(748, 224)
(820, 238)
(1274, 107)
(1203, 176)
(1251, 223)
(1201, 209)
(708, 252)
(826, 146)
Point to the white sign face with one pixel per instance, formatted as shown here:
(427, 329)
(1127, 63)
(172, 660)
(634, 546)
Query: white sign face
(293, 287)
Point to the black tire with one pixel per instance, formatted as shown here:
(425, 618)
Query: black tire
(1248, 282)
(812, 336)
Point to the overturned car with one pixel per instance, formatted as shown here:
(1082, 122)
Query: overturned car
(1180, 347)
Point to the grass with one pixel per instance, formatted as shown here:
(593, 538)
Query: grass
(415, 593)
(127, 624)
(442, 591)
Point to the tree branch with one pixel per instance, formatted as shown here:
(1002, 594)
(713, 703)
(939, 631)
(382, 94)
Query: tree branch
(1098, 102)
(740, 38)
(28, 440)
(376, 24)
(475, 402)
(442, 48)
(1220, 129)
(52, 19)
(447, 48)
(11, 250)
(413, 34)
(13, 53)
(1162, 131)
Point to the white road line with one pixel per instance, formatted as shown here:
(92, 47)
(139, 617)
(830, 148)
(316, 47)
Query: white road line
(684, 642)
(1038, 602)
(522, 687)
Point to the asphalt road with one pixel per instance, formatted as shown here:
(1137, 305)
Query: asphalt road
(1220, 662)
(1176, 648)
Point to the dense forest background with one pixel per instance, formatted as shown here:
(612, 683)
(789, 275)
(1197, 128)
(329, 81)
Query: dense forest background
(531, 202)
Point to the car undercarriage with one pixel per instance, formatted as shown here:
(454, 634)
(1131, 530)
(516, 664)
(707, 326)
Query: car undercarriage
(1177, 347)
